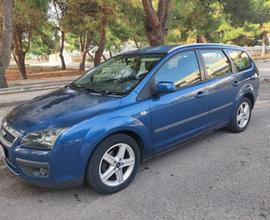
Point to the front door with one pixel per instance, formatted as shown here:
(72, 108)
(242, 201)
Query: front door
(180, 114)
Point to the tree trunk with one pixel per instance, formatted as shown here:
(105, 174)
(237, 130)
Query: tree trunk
(82, 61)
(154, 34)
(3, 81)
(84, 44)
(201, 39)
(264, 44)
(91, 56)
(61, 50)
(155, 24)
(5, 44)
(19, 52)
(21, 65)
(102, 41)
(110, 52)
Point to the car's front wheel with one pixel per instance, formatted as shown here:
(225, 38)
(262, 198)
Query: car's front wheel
(113, 164)
(242, 116)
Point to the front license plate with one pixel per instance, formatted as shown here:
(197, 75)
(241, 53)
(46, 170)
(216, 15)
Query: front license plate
(2, 152)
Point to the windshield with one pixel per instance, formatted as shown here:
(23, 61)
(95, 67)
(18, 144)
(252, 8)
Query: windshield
(119, 75)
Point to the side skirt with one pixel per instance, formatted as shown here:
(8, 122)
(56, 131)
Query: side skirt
(185, 141)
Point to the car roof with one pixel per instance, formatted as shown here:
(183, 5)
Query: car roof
(170, 48)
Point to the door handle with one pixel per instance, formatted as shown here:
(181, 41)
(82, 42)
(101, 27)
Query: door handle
(236, 83)
(201, 94)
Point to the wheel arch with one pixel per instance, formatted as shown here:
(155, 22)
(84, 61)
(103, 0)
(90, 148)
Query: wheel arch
(251, 98)
(137, 137)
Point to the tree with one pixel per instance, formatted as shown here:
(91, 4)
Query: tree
(5, 44)
(89, 20)
(155, 23)
(128, 24)
(251, 11)
(28, 15)
(261, 10)
(58, 9)
(194, 21)
(44, 42)
(79, 21)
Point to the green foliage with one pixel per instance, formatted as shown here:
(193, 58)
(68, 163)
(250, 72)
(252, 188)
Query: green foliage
(237, 12)
(246, 35)
(28, 17)
(228, 21)
(72, 42)
(245, 21)
(29, 14)
(130, 21)
(45, 41)
(191, 19)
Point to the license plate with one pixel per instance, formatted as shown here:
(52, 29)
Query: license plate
(2, 152)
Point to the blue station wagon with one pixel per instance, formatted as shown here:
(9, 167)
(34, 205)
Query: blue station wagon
(130, 108)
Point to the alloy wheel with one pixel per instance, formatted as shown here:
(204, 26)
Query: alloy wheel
(117, 164)
(243, 114)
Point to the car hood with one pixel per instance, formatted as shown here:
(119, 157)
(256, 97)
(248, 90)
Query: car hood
(61, 108)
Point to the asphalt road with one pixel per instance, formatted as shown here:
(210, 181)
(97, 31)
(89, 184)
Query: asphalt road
(219, 176)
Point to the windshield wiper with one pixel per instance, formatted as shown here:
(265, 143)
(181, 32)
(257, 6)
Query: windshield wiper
(84, 88)
(107, 92)
(102, 92)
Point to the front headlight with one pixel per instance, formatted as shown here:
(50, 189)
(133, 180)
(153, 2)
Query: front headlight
(43, 140)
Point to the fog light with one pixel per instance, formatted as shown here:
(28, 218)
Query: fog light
(43, 172)
(33, 168)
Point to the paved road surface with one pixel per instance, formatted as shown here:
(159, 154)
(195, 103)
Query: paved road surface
(219, 176)
(264, 68)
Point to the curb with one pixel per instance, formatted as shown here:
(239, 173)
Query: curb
(31, 88)
(7, 104)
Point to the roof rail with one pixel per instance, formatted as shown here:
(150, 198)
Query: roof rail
(197, 44)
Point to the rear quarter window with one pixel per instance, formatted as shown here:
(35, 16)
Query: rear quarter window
(240, 58)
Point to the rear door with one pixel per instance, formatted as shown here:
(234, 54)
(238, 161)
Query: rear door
(224, 85)
(244, 67)
(183, 113)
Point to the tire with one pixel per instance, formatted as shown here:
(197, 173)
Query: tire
(107, 163)
(237, 126)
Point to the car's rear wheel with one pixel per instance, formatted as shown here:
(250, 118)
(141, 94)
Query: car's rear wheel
(113, 164)
(242, 116)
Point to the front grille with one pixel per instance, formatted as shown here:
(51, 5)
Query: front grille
(6, 136)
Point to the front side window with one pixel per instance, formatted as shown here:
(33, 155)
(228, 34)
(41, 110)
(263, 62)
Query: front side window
(240, 59)
(119, 75)
(182, 69)
(217, 64)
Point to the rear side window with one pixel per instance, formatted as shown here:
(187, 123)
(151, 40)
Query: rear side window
(182, 69)
(217, 64)
(240, 59)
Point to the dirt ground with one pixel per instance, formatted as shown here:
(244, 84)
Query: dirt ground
(12, 74)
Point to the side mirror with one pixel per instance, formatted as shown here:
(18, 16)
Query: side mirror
(164, 87)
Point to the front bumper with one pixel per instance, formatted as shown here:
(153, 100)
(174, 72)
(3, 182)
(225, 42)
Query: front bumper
(62, 167)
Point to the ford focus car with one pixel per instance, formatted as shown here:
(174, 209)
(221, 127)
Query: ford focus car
(130, 108)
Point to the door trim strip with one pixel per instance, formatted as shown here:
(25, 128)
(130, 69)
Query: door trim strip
(192, 118)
